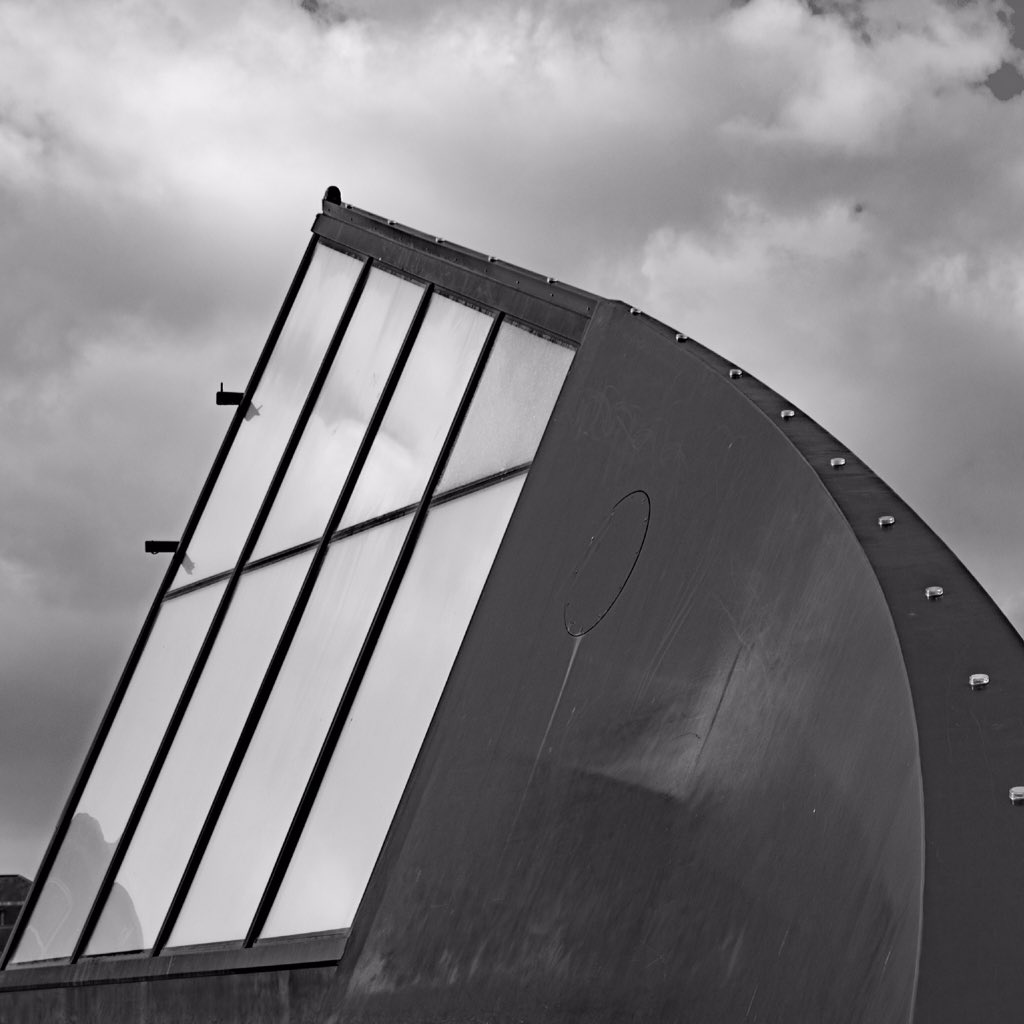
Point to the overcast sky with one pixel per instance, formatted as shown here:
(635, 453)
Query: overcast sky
(832, 195)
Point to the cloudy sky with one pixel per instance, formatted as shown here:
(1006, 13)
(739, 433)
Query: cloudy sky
(829, 193)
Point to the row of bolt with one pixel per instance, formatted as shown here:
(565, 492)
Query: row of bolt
(977, 680)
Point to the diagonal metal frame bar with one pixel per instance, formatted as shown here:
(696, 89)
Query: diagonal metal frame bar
(84, 773)
(192, 682)
(369, 644)
(284, 644)
(350, 531)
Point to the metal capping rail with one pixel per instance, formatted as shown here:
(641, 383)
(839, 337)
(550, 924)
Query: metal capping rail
(537, 285)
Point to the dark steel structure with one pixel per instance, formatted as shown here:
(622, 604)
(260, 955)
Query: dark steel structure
(724, 733)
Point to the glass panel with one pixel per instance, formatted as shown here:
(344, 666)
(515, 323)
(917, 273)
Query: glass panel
(389, 719)
(178, 804)
(257, 448)
(114, 784)
(252, 826)
(421, 410)
(511, 407)
(338, 422)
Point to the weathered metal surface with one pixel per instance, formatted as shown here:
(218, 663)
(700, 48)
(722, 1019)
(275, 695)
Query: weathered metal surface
(707, 807)
(274, 997)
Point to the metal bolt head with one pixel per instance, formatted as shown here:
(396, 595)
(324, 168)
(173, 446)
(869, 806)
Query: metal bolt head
(681, 338)
(735, 372)
(438, 238)
(390, 222)
(933, 593)
(837, 463)
(787, 414)
(978, 681)
(491, 259)
(886, 521)
(633, 311)
(1017, 794)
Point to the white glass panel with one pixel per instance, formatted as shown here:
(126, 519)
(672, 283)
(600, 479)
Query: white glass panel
(338, 422)
(421, 411)
(259, 444)
(511, 407)
(178, 804)
(117, 776)
(392, 711)
(252, 826)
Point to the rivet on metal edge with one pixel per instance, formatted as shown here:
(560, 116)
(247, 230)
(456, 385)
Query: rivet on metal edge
(978, 681)
(491, 259)
(633, 311)
(681, 338)
(550, 280)
(348, 206)
(438, 238)
(837, 463)
(391, 222)
(886, 521)
(734, 373)
(933, 593)
(1017, 794)
(787, 414)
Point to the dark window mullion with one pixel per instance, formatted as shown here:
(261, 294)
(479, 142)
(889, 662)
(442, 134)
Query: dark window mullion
(368, 646)
(288, 633)
(64, 822)
(211, 634)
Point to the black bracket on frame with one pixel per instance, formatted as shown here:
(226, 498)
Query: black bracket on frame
(229, 397)
(236, 398)
(169, 547)
(161, 547)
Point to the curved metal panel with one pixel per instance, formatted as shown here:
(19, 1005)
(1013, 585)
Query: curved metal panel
(707, 807)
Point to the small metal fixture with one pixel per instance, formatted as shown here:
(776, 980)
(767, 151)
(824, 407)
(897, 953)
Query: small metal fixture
(332, 195)
(161, 547)
(491, 259)
(787, 414)
(837, 463)
(633, 311)
(391, 223)
(438, 239)
(886, 521)
(735, 372)
(978, 681)
(229, 397)
(550, 280)
(933, 593)
(1017, 794)
(681, 338)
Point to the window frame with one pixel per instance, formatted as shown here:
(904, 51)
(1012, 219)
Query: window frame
(556, 312)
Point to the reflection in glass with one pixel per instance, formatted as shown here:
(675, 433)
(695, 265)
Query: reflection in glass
(511, 407)
(252, 826)
(178, 804)
(260, 441)
(421, 410)
(337, 424)
(392, 710)
(117, 776)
